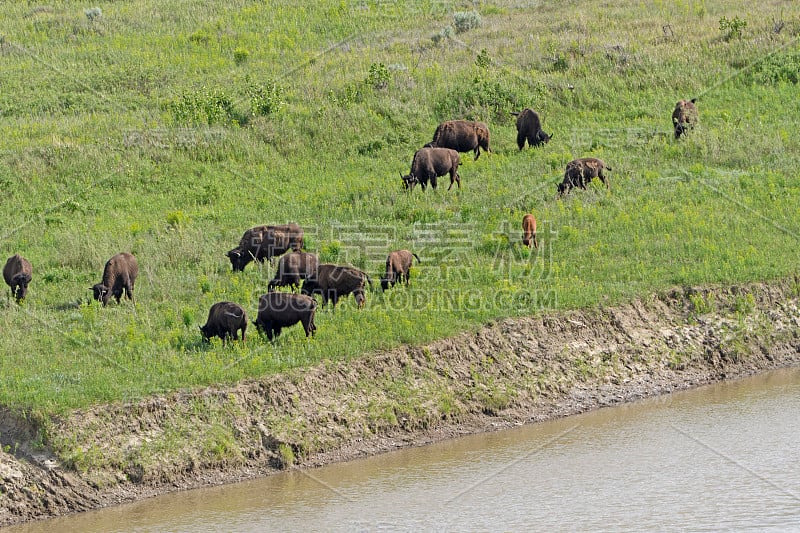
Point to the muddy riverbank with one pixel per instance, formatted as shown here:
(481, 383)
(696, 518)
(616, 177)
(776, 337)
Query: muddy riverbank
(511, 372)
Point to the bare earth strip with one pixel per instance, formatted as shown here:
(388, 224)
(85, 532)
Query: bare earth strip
(511, 372)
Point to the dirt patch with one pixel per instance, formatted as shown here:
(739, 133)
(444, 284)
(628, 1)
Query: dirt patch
(510, 372)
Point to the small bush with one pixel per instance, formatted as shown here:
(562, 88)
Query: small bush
(286, 455)
(466, 20)
(240, 55)
(485, 96)
(778, 68)
(378, 77)
(177, 219)
(446, 33)
(732, 27)
(483, 61)
(93, 13)
(204, 106)
(265, 99)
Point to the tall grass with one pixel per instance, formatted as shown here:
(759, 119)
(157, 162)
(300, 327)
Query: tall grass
(95, 159)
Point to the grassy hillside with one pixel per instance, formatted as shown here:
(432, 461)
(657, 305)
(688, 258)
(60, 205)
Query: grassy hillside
(167, 130)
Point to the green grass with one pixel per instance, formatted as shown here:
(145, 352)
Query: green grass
(97, 156)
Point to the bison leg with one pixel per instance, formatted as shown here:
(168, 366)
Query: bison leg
(308, 325)
(129, 290)
(477, 152)
(521, 137)
(454, 177)
(244, 329)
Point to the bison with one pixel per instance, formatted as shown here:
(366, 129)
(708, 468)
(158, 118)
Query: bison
(119, 274)
(225, 319)
(334, 282)
(292, 268)
(529, 231)
(398, 265)
(265, 242)
(684, 116)
(461, 136)
(580, 172)
(430, 163)
(278, 310)
(18, 273)
(529, 128)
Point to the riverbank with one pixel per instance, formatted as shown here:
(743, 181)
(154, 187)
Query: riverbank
(511, 372)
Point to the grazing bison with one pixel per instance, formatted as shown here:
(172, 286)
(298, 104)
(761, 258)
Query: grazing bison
(334, 282)
(529, 128)
(529, 231)
(265, 242)
(225, 319)
(18, 273)
(430, 163)
(684, 116)
(461, 136)
(398, 265)
(278, 310)
(292, 268)
(119, 274)
(580, 172)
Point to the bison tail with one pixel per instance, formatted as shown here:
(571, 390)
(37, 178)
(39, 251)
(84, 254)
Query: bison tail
(368, 279)
(417, 257)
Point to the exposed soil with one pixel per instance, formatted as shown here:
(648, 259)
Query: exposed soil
(510, 372)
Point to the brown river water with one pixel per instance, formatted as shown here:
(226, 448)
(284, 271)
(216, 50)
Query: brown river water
(719, 458)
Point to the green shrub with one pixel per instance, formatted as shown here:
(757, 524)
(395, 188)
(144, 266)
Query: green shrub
(240, 55)
(777, 68)
(266, 98)
(203, 106)
(732, 27)
(378, 77)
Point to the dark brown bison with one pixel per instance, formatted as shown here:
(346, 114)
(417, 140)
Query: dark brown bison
(398, 265)
(292, 268)
(278, 310)
(225, 319)
(580, 172)
(18, 273)
(430, 163)
(684, 116)
(529, 128)
(265, 242)
(461, 136)
(119, 274)
(529, 231)
(334, 282)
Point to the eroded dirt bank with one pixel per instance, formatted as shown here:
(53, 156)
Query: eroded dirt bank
(510, 372)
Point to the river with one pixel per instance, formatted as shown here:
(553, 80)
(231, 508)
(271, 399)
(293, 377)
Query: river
(720, 457)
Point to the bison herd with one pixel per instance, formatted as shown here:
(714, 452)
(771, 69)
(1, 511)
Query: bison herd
(299, 269)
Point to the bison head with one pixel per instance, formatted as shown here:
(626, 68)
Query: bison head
(239, 259)
(310, 287)
(101, 292)
(543, 138)
(409, 181)
(21, 282)
(206, 333)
